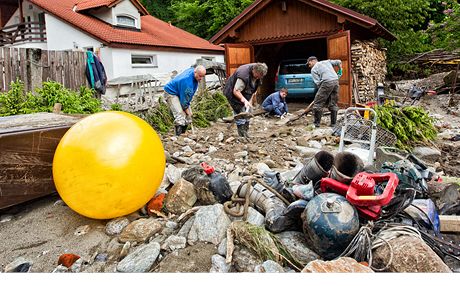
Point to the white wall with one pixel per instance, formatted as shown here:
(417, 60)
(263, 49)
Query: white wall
(126, 8)
(62, 36)
(117, 62)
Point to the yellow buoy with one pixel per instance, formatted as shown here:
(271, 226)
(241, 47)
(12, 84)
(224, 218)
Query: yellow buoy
(108, 165)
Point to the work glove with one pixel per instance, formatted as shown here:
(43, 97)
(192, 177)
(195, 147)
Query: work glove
(339, 73)
(283, 115)
(188, 119)
(247, 105)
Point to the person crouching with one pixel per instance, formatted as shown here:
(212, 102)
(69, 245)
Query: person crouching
(275, 103)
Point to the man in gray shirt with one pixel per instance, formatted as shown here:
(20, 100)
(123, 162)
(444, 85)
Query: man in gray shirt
(327, 80)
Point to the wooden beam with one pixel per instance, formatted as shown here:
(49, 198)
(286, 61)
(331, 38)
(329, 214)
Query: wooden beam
(449, 223)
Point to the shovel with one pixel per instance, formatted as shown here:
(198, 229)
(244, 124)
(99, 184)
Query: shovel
(297, 116)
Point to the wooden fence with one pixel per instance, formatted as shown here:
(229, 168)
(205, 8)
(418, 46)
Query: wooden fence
(33, 66)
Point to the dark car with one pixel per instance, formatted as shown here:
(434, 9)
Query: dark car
(295, 76)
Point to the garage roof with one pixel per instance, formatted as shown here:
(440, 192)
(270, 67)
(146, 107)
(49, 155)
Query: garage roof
(350, 15)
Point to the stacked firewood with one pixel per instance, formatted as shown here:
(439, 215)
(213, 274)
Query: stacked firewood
(368, 69)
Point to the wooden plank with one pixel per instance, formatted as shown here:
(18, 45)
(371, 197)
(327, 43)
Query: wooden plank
(44, 62)
(82, 70)
(14, 64)
(2, 60)
(7, 67)
(24, 72)
(65, 69)
(449, 223)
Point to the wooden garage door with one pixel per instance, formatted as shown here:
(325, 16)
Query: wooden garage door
(338, 47)
(237, 55)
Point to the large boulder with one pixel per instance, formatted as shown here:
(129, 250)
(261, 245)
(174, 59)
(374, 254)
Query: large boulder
(210, 225)
(141, 260)
(140, 230)
(409, 254)
(181, 197)
(341, 265)
(296, 244)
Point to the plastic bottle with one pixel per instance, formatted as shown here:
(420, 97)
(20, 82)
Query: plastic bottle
(218, 184)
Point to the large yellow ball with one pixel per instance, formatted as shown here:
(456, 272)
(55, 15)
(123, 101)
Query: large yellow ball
(108, 165)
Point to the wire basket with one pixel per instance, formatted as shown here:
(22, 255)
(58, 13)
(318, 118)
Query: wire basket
(359, 128)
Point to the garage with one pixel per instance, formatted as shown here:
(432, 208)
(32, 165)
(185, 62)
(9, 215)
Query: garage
(272, 31)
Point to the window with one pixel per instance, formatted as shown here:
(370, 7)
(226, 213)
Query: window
(126, 21)
(149, 61)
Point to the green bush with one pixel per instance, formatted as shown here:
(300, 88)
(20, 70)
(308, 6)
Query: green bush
(17, 101)
(207, 107)
(159, 117)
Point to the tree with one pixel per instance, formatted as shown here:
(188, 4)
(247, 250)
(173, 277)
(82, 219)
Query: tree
(159, 8)
(204, 18)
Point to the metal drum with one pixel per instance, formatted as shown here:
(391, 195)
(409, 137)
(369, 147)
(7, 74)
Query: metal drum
(330, 222)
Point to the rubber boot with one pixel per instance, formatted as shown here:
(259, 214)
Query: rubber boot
(184, 128)
(333, 118)
(178, 130)
(240, 129)
(246, 130)
(317, 115)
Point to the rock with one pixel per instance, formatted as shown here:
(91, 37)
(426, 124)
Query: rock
(140, 260)
(185, 229)
(101, 257)
(219, 265)
(140, 230)
(321, 133)
(114, 248)
(241, 154)
(181, 197)
(6, 218)
(314, 144)
(187, 149)
(244, 260)
(174, 242)
(341, 265)
(60, 269)
(253, 148)
(77, 266)
(222, 248)
(212, 149)
(189, 141)
(307, 151)
(410, 254)
(220, 137)
(254, 217)
(296, 244)
(289, 175)
(235, 175)
(229, 167)
(192, 259)
(82, 230)
(261, 168)
(59, 203)
(125, 249)
(210, 225)
(269, 266)
(270, 163)
(171, 224)
(116, 226)
(303, 141)
(20, 264)
(426, 153)
(230, 140)
(172, 173)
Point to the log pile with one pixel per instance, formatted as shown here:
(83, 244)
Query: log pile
(368, 69)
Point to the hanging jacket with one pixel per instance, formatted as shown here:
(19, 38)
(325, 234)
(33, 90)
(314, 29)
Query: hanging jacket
(95, 73)
(184, 86)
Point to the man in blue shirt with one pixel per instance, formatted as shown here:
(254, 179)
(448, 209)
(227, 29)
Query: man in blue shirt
(275, 103)
(327, 81)
(179, 93)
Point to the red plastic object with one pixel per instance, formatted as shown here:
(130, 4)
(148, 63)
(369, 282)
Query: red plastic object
(207, 169)
(156, 204)
(67, 259)
(361, 191)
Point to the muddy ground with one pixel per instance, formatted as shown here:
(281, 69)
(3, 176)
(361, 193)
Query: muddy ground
(46, 228)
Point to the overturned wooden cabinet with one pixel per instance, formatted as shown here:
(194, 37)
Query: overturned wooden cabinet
(27, 146)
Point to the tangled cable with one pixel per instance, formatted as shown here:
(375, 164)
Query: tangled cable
(360, 248)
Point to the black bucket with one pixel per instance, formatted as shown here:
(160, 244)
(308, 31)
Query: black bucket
(346, 166)
(318, 167)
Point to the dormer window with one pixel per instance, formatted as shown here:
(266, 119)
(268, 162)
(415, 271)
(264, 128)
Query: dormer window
(127, 21)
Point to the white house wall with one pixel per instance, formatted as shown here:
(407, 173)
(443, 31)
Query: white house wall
(117, 62)
(62, 36)
(126, 8)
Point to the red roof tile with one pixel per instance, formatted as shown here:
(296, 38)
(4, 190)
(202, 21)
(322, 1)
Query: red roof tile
(154, 32)
(90, 4)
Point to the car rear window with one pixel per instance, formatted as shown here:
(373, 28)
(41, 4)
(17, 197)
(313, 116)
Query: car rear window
(294, 68)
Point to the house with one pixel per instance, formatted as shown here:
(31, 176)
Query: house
(273, 30)
(128, 40)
